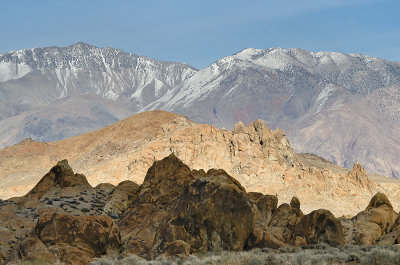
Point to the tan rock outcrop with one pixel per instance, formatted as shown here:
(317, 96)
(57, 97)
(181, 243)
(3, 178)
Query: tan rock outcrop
(69, 239)
(375, 221)
(262, 160)
(175, 212)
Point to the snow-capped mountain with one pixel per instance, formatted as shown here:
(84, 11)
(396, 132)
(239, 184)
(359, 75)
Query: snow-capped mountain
(82, 68)
(344, 107)
(57, 92)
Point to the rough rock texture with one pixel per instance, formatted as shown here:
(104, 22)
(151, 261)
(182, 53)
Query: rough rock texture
(262, 160)
(63, 219)
(175, 212)
(179, 212)
(319, 226)
(393, 237)
(376, 220)
(69, 239)
(60, 176)
(359, 176)
(276, 230)
(122, 196)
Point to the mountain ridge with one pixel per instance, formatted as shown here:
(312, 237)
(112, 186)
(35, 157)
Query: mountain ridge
(311, 95)
(262, 160)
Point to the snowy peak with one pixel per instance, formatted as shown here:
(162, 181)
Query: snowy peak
(110, 73)
(279, 58)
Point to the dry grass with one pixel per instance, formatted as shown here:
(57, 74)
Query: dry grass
(317, 254)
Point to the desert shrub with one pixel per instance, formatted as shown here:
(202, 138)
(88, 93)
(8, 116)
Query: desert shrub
(85, 210)
(314, 255)
(382, 255)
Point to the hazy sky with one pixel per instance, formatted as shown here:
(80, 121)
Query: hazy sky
(200, 32)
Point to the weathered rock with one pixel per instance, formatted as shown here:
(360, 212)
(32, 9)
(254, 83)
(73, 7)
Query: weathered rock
(123, 196)
(214, 214)
(180, 210)
(60, 237)
(91, 234)
(33, 249)
(359, 176)
(378, 200)
(295, 202)
(375, 221)
(163, 185)
(278, 231)
(393, 237)
(261, 159)
(319, 226)
(60, 176)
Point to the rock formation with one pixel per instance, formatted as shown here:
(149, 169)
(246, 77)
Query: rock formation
(375, 221)
(262, 160)
(176, 211)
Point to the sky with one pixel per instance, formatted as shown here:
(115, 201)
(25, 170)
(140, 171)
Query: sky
(201, 32)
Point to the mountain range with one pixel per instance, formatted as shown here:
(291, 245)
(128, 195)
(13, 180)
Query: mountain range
(343, 107)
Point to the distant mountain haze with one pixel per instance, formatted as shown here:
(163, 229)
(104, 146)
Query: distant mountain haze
(345, 108)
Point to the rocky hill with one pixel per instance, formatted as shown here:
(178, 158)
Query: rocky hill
(175, 212)
(262, 160)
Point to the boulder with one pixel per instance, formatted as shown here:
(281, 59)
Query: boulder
(378, 200)
(277, 232)
(295, 202)
(163, 185)
(91, 234)
(319, 226)
(376, 220)
(181, 211)
(32, 249)
(213, 213)
(123, 195)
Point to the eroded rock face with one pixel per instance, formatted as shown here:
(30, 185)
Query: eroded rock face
(261, 159)
(60, 176)
(175, 212)
(180, 210)
(319, 226)
(213, 213)
(69, 239)
(122, 196)
(375, 221)
(359, 176)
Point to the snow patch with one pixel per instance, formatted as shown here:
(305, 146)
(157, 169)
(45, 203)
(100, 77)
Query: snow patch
(323, 96)
(11, 71)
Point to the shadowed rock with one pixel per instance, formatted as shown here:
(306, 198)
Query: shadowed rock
(378, 200)
(319, 226)
(377, 220)
(295, 202)
(60, 176)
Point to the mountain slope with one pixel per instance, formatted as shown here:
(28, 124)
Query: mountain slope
(343, 107)
(261, 159)
(32, 82)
